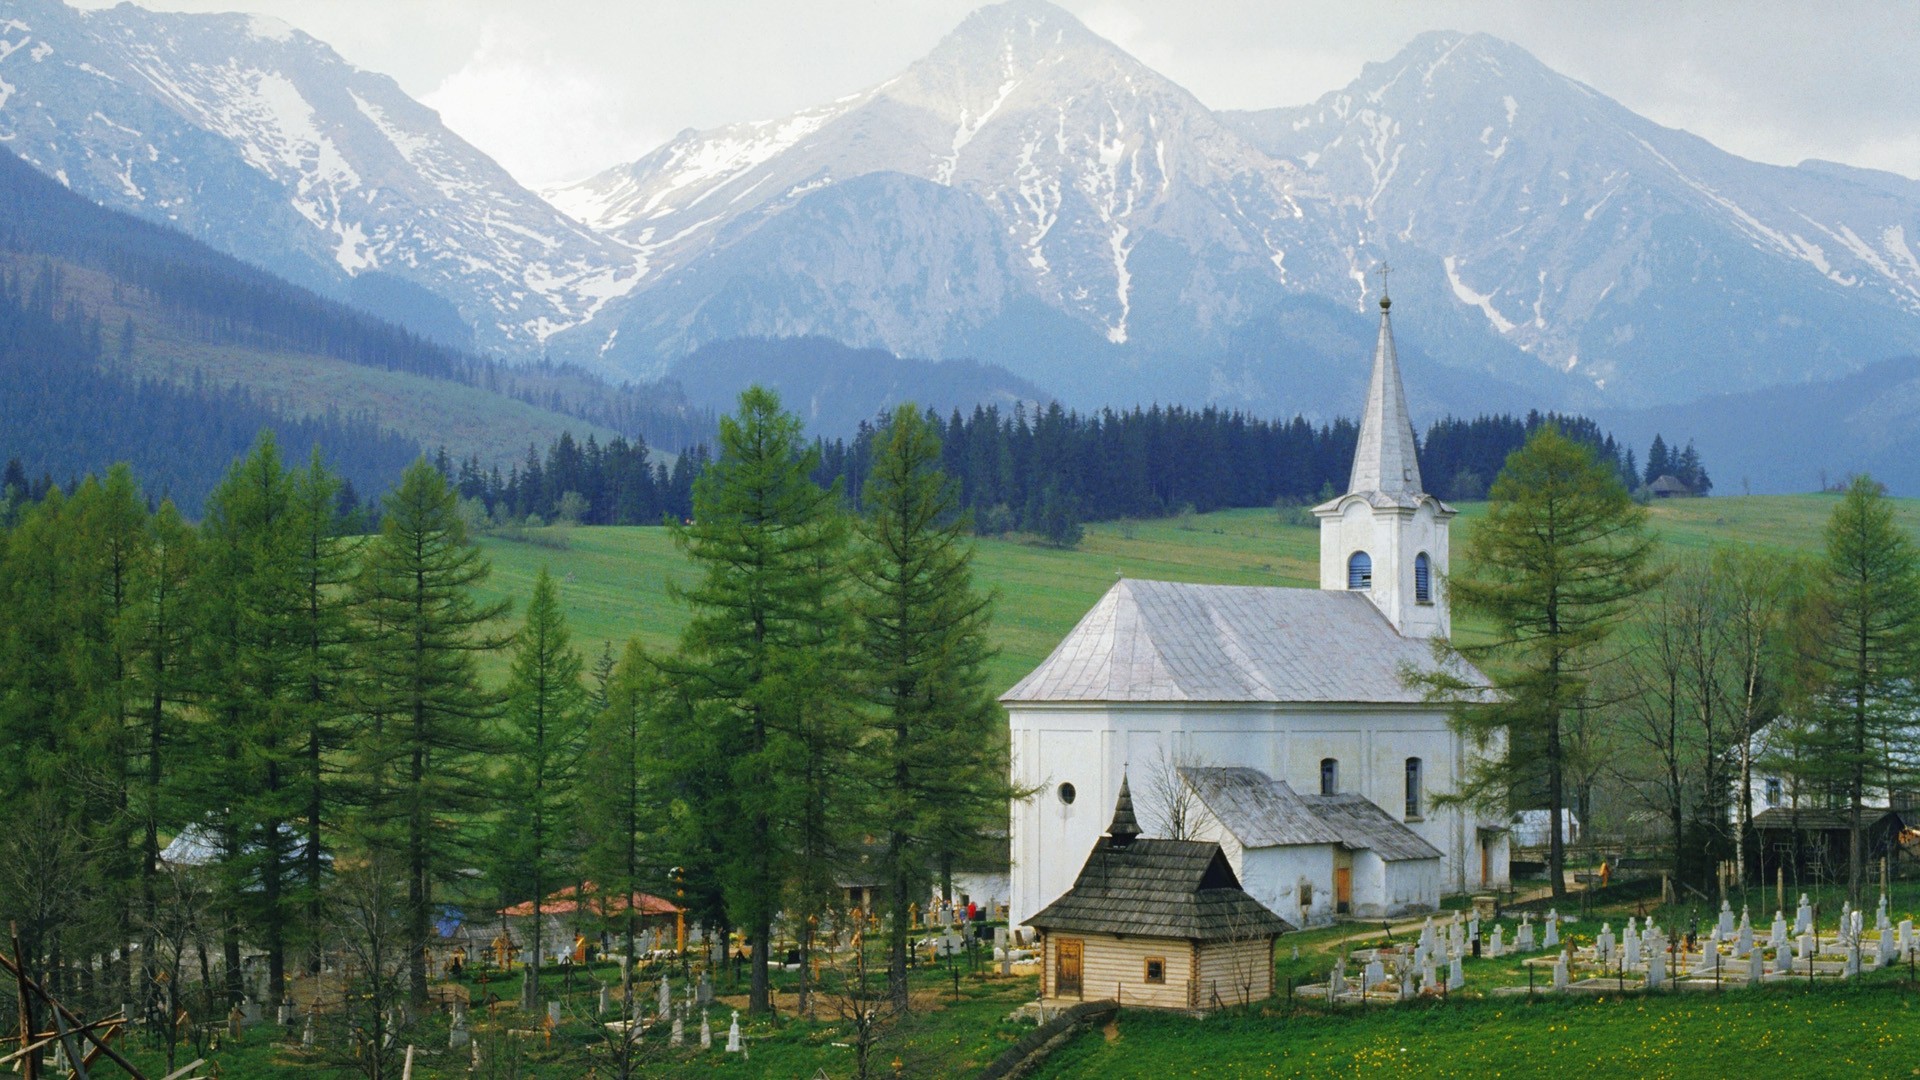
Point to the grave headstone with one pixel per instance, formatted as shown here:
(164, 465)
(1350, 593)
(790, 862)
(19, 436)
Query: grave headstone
(1743, 943)
(1709, 960)
(306, 1034)
(1783, 960)
(1457, 977)
(1376, 972)
(1880, 917)
(1726, 919)
(606, 1001)
(677, 1036)
(1553, 930)
(457, 1033)
(1656, 969)
(733, 1034)
(1803, 917)
(252, 1015)
(1778, 936)
(1523, 941)
(1603, 945)
(1337, 981)
(1853, 960)
(1406, 985)
(1495, 946)
(553, 1014)
(1906, 936)
(1473, 927)
(1560, 972)
(1631, 961)
(1883, 948)
(1756, 967)
(703, 992)
(666, 996)
(706, 1032)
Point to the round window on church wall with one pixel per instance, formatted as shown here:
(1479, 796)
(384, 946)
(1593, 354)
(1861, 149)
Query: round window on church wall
(1066, 794)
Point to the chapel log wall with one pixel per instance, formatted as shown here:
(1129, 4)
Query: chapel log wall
(1112, 967)
(1232, 968)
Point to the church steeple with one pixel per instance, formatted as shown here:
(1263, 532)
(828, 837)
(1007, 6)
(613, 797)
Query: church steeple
(1385, 537)
(1124, 828)
(1384, 460)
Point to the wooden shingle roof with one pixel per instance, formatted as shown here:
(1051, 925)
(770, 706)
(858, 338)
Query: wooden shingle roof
(1139, 887)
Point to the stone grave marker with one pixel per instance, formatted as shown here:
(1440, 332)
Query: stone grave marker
(706, 1032)
(1778, 936)
(1906, 936)
(1803, 916)
(1457, 977)
(1523, 941)
(1494, 948)
(1853, 960)
(1656, 969)
(1603, 945)
(1553, 929)
(1726, 919)
(1783, 960)
(678, 1036)
(733, 1034)
(1632, 946)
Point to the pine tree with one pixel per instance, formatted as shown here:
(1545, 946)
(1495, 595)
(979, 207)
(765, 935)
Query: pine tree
(767, 542)
(545, 723)
(1659, 462)
(613, 803)
(434, 725)
(1860, 633)
(937, 758)
(1561, 555)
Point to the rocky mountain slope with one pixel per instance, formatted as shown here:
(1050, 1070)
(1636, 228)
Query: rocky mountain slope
(262, 142)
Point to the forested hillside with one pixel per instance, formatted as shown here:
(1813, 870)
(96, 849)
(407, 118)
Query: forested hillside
(151, 315)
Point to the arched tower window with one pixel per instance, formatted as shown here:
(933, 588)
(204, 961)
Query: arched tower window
(1422, 579)
(1329, 776)
(1360, 571)
(1413, 788)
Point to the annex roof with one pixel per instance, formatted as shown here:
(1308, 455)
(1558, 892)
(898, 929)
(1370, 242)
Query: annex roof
(1258, 810)
(1169, 641)
(1263, 812)
(568, 900)
(1813, 819)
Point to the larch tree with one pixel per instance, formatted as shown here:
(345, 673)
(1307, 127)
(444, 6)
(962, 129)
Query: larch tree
(545, 722)
(1553, 568)
(934, 747)
(419, 678)
(614, 811)
(767, 542)
(1859, 633)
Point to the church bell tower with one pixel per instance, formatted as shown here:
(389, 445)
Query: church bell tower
(1386, 537)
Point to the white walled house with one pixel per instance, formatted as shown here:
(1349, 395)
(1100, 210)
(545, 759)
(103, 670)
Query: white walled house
(1304, 685)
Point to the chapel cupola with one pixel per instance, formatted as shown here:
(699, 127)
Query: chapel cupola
(1386, 537)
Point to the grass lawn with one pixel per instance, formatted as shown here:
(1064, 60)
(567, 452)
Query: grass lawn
(614, 580)
(1869, 1031)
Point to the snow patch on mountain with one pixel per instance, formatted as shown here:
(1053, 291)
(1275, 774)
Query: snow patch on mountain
(1483, 301)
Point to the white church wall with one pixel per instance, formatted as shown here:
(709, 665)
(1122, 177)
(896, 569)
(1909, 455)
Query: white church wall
(1370, 898)
(1279, 876)
(1411, 885)
(1090, 746)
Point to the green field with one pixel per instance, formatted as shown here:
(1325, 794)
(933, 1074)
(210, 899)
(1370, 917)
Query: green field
(614, 580)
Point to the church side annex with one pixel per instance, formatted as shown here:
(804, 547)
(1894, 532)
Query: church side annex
(1303, 685)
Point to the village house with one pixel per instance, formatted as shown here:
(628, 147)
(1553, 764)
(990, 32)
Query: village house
(1153, 922)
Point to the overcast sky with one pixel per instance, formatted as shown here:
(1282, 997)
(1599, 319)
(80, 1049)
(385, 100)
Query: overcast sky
(557, 89)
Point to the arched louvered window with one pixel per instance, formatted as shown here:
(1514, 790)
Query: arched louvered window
(1329, 776)
(1413, 788)
(1422, 579)
(1359, 570)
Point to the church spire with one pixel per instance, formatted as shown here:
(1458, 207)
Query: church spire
(1124, 828)
(1384, 461)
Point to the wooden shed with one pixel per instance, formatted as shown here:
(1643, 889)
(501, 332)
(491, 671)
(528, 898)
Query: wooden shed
(1161, 923)
(1814, 845)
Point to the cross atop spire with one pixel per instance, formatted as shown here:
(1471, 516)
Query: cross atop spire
(1385, 461)
(1384, 270)
(1124, 828)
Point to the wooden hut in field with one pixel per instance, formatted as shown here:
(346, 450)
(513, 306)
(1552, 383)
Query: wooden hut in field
(1161, 923)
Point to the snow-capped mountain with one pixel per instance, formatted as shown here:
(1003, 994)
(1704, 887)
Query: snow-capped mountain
(1636, 257)
(1030, 195)
(261, 141)
(1025, 172)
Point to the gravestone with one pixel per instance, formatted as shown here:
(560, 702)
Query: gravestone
(1603, 945)
(1853, 961)
(1337, 981)
(1906, 936)
(733, 1034)
(1805, 953)
(1632, 943)
(1560, 972)
(606, 1001)
(306, 1033)
(1883, 948)
(678, 1036)
(1553, 930)
(1376, 972)
(1709, 960)
(1473, 927)
(1880, 917)
(706, 1032)
(666, 996)
(1523, 941)
(553, 1014)
(1656, 969)
(252, 1015)
(1457, 978)
(1406, 985)
(703, 991)
(457, 1033)
(1803, 917)
(1783, 960)
(1495, 946)
(1726, 920)
(1756, 967)
(1846, 920)
(1778, 936)
(1743, 943)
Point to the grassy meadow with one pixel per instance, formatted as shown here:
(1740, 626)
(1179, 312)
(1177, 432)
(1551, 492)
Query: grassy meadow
(614, 581)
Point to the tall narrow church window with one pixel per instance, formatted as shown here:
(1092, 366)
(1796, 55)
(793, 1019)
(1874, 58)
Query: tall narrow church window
(1413, 788)
(1422, 579)
(1329, 776)
(1774, 793)
(1360, 571)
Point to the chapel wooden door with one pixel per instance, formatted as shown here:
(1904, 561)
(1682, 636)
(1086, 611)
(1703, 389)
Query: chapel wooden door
(1486, 860)
(1066, 969)
(1342, 889)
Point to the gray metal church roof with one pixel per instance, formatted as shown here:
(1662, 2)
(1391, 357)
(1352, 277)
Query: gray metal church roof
(1263, 812)
(1168, 641)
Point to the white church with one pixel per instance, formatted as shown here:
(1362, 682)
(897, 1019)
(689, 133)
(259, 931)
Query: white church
(1281, 716)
